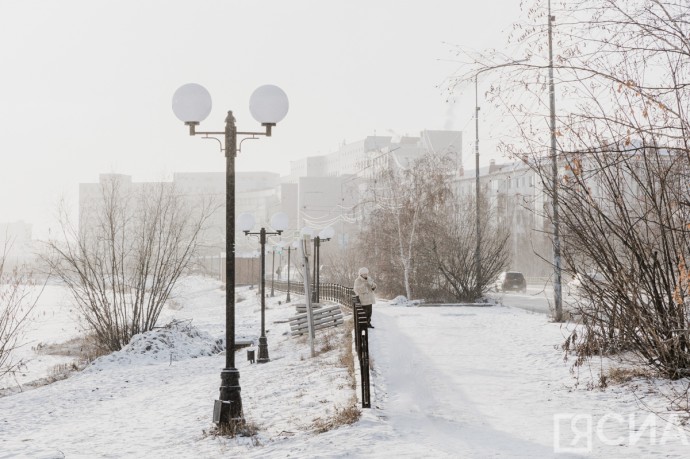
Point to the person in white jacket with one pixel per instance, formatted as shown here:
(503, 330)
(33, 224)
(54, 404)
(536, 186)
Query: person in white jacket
(364, 289)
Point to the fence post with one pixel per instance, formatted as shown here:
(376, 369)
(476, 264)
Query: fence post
(362, 347)
(364, 367)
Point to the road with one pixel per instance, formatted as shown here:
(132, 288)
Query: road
(538, 298)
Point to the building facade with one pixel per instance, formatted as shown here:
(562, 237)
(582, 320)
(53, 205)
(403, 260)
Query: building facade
(517, 200)
(329, 187)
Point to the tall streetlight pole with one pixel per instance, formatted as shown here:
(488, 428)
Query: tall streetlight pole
(279, 223)
(289, 249)
(325, 235)
(477, 251)
(557, 288)
(477, 256)
(268, 105)
(273, 271)
(251, 273)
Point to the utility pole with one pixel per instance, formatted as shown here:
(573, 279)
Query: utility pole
(557, 290)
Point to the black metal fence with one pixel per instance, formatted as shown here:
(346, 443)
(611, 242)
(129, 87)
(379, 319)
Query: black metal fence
(295, 286)
(362, 346)
(345, 297)
(333, 292)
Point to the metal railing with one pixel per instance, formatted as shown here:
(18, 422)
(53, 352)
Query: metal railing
(333, 292)
(362, 346)
(295, 287)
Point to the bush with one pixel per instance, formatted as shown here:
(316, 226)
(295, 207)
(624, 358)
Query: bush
(18, 298)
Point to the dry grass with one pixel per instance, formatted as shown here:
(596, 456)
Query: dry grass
(346, 415)
(327, 341)
(83, 349)
(347, 358)
(619, 375)
(350, 413)
(243, 428)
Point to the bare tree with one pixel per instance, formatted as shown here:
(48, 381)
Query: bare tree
(123, 261)
(18, 298)
(450, 247)
(342, 266)
(627, 222)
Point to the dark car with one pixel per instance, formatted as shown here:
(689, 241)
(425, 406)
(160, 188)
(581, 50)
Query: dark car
(511, 280)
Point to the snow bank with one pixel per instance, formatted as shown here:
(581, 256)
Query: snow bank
(401, 300)
(174, 342)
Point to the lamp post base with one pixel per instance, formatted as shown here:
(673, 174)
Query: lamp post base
(228, 409)
(263, 350)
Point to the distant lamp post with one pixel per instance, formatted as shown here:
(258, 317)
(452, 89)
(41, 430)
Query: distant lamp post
(289, 249)
(279, 223)
(251, 275)
(268, 105)
(325, 235)
(273, 271)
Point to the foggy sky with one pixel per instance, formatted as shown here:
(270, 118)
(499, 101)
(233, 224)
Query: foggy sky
(86, 85)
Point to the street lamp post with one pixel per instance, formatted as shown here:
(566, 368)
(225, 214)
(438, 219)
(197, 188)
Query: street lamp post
(279, 222)
(557, 289)
(477, 251)
(325, 235)
(273, 271)
(289, 249)
(268, 105)
(477, 257)
(251, 273)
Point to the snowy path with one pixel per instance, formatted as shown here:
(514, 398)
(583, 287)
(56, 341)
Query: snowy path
(425, 382)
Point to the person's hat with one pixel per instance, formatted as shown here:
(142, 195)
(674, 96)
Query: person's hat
(363, 271)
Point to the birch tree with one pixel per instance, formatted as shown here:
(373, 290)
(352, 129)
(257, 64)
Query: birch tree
(398, 204)
(417, 237)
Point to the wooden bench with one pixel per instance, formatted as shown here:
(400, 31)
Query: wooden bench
(301, 308)
(325, 317)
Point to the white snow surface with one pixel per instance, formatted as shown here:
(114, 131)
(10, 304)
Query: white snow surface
(456, 382)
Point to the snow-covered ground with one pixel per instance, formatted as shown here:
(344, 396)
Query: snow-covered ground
(446, 382)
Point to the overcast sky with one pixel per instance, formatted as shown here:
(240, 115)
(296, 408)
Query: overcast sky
(86, 85)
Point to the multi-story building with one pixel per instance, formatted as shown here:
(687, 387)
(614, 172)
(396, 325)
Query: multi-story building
(16, 247)
(256, 192)
(320, 191)
(330, 186)
(517, 201)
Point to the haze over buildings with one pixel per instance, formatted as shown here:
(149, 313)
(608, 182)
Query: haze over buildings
(86, 86)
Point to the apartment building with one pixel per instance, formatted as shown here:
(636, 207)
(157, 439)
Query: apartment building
(515, 195)
(330, 186)
(16, 246)
(256, 192)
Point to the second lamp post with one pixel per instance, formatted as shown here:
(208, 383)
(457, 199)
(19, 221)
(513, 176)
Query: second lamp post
(325, 235)
(279, 223)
